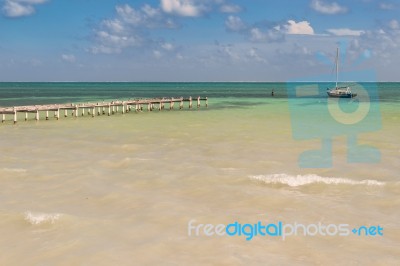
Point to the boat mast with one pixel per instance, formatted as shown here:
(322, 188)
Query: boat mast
(337, 65)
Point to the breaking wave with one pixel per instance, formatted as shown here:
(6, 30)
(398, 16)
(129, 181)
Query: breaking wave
(36, 218)
(302, 180)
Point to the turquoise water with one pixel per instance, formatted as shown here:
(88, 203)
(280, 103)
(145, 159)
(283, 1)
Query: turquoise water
(13, 94)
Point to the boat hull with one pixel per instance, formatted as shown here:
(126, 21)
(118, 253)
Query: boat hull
(347, 95)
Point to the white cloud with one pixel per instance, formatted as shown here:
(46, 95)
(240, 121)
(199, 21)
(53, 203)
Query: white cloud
(167, 46)
(227, 52)
(196, 8)
(382, 44)
(150, 11)
(147, 17)
(230, 8)
(257, 35)
(270, 35)
(234, 23)
(31, 2)
(114, 43)
(114, 25)
(328, 8)
(103, 49)
(253, 54)
(386, 6)
(394, 24)
(129, 28)
(20, 8)
(70, 58)
(184, 8)
(345, 32)
(129, 14)
(258, 32)
(15, 9)
(301, 27)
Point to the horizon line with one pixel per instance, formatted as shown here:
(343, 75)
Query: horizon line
(292, 81)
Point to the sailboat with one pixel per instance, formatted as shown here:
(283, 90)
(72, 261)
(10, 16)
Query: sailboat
(340, 92)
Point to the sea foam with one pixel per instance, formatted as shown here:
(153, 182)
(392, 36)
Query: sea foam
(301, 180)
(36, 218)
(13, 170)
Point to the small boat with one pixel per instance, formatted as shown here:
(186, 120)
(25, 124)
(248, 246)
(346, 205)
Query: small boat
(340, 92)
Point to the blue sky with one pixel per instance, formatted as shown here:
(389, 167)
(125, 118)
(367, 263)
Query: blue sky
(193, 40)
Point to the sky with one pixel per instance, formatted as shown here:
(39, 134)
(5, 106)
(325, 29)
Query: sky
(193, 40)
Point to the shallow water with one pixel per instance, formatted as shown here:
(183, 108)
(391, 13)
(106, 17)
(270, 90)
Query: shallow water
(121, 190)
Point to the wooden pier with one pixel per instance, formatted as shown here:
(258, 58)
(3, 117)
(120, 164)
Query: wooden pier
(97, 109)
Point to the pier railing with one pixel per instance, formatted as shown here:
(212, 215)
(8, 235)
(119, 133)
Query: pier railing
(103, 108)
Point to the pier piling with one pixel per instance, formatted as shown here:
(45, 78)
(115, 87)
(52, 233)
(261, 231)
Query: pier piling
(15, 116)
(113, 107)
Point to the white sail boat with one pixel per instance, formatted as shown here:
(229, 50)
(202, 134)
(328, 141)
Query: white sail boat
(340, 92)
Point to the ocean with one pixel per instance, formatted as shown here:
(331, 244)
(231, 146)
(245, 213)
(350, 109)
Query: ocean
(150, 188)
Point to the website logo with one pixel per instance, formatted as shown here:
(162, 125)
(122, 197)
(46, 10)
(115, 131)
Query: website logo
(280, 230)
(315, 115)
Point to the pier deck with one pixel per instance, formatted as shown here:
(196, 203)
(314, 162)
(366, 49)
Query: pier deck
(101, 107)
